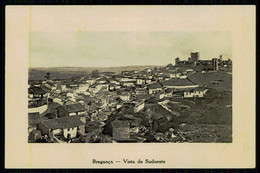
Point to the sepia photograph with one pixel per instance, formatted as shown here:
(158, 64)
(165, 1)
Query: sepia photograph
(130, 87)
(158, 87)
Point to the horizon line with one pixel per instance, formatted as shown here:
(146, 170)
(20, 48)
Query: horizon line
(101, 67)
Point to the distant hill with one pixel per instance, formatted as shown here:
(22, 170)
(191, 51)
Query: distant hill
(68, 72)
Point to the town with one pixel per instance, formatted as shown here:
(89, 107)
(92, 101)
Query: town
(190, 101)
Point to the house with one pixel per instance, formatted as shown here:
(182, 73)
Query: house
(119, 104)
(112, 87)
(139, 106)
(147, 81)
(37, 100)
(140, 81)
(125, 96)
(71, 110)
(104, 86)
(68, 127)
(101, 117)
(36, 92)
(34, 135)
(51, 85)
(154, 87)
(160, 95)
(128, 83)
(141, 91)
(197, 92)
(168, 92)
(120, 130)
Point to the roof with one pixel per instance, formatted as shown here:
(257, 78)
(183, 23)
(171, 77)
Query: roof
(64, 122)
(47, 90)
(50, 83)
(34, 118)
(155, 85)
(178, 82)
(140, 89)
(73, 107)
(36, 90)
(117, 123)
(200, 89)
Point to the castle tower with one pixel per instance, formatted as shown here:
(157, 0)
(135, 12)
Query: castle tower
(177, 60)
(195, 56)
(220, 60)
(215, 64)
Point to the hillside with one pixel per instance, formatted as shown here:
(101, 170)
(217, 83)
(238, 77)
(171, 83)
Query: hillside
(224, 78)
(68, 72)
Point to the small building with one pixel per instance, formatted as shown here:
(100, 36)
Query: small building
(119, 104)
(128, 83)
(160, 95)
(34, 135)
(141, 91)
(140, 81)
(154, 87)
(198, 92)
(69, 127)
(37, 100)
(51, 85)
(71, 110)
(121, 130)
(139, 106)
(125, 96)
(112, 87)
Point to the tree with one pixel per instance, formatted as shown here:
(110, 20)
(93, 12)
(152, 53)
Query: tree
(48, 75)
(155, 69)
(95, 73)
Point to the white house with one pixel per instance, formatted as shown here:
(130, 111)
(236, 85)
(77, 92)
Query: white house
(68, 127)
(125, 96)
(139, 106)
(198, 92)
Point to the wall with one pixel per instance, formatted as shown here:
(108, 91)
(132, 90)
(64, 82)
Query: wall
(72, 114)
(44, 129)
(71, 131)
(188, 94)
(152, 91)
(139, 107)
(40, 109)
(177, 87)
(82, 130)
(57, 131)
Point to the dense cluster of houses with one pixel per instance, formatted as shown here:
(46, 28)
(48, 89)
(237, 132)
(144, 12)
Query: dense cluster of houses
(80, 109)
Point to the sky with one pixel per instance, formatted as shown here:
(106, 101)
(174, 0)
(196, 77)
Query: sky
(112, 49)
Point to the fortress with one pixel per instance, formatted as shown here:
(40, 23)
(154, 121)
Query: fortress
(214, 64)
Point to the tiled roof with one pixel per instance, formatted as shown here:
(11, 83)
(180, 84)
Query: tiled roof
(36, 90)
(47, 90)
(34, 118)
(73, 107)
(64, 122)
(155, 85)
(117, 124)
(50, 83)
(178, 82)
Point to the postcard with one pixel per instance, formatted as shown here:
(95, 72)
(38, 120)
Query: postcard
(130, 87)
